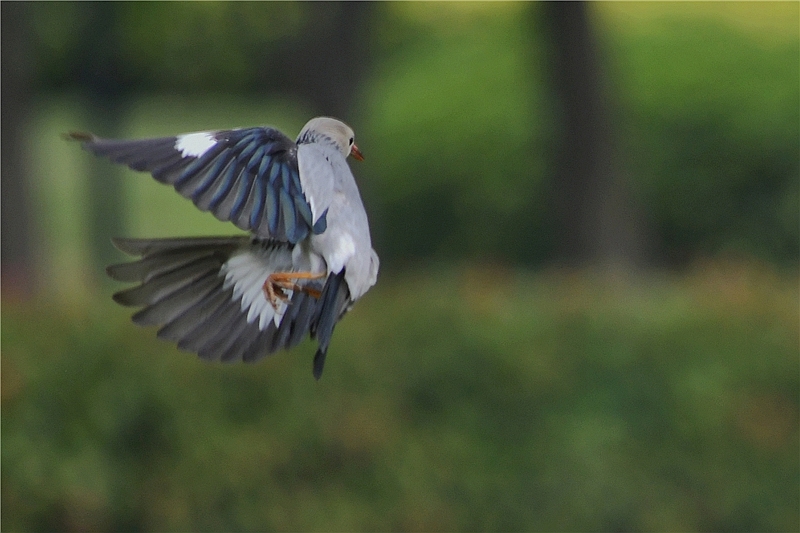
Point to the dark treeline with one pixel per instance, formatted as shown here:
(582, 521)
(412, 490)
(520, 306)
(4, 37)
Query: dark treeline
(614, 161)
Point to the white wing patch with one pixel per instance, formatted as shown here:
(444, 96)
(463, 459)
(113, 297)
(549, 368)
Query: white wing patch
(194, 144)
(246, 272)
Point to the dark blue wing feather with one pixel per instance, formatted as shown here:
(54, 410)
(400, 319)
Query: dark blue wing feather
(258, 195)
(242, 191)
(181, 175)
(226, 182)
(289, 215)
(274, 170)
(248, 176)
(303, 210)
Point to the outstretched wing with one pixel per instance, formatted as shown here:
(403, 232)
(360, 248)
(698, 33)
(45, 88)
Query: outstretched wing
(247, 176)
(205, 294)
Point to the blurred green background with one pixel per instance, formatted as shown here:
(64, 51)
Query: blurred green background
(587, 316)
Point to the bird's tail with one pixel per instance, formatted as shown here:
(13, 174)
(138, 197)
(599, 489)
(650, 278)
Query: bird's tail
(333, 303)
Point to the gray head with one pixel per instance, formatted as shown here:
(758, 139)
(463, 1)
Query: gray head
(340, 133)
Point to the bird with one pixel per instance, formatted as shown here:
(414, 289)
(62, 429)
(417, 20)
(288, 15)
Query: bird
(307, 259)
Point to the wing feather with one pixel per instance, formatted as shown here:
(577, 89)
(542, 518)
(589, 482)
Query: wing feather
(204, 293)
(247, 176)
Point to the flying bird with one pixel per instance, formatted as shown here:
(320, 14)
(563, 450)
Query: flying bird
(308, 257)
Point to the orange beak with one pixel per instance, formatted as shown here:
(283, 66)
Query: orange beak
(356, 153)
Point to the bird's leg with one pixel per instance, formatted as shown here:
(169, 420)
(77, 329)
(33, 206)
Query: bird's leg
(277, 282)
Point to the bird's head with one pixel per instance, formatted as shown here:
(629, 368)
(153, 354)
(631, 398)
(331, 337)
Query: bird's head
(340, 133)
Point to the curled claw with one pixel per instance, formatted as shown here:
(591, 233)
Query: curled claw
(278, 282)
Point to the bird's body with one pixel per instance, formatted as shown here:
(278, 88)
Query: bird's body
(308, 259)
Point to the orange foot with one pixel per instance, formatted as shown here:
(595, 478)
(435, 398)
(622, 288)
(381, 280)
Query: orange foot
(277, 282)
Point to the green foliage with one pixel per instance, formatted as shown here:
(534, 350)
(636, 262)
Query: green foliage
(454, 399)
(457, 123)
(713, 137)
(457, 398)
(190, 47)
(459, 118)
(209, 47)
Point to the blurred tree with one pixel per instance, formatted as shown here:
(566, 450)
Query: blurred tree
(326, 61)
(77, 47)
(100, 71)
(17, 222)
(314, 52)
(711, 132)
(595, 217)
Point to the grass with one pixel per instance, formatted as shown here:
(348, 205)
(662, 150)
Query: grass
(547, 401)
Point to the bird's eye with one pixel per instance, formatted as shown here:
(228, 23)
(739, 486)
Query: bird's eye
(351, 141)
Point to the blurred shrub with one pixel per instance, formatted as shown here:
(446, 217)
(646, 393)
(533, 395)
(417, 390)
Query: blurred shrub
(460, 123)
(544, 402)
(207, 48)
(460, 398)
(456, 120)
(712, 133)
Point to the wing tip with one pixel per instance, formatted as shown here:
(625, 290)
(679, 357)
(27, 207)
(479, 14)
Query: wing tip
(128, 246)
(79, 136)
(112, 271)
(124, 298)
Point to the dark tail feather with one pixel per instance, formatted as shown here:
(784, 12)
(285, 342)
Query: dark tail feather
(333, 303)
(319, 363)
